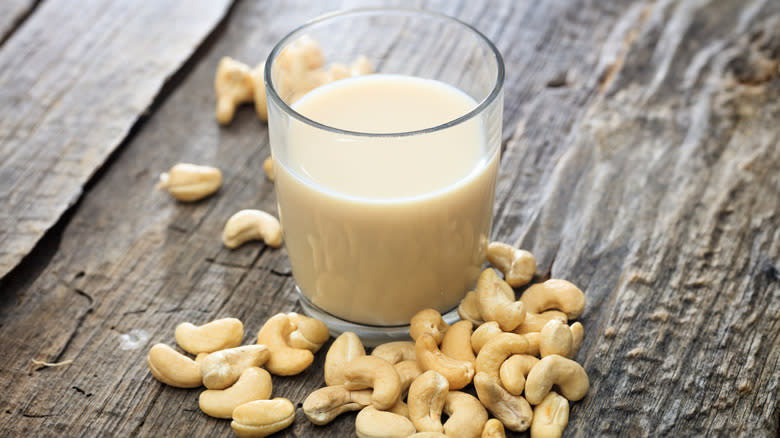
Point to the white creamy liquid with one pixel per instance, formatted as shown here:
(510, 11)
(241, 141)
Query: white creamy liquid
(378, 228)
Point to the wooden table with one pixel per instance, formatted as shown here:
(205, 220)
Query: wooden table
(641, 160)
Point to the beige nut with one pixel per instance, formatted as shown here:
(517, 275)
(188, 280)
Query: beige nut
(373, 372)
(577, 333)
(427, 321)
(261, 418)
(569, 376)
(468, 308)
(467, 415)
(483, 334)
(361, 66)
(456, 342)
(512, 410)
(233, 85)
(284, 360)
(249, 225)
(555, 338)
(373, 423)
(550, 417)
(400, 408)
(254, 384)
(344, 348)
(173, 368)
(190, 182)
(493, 429)
(428, 435)
(458, 373)
(407, 370)
(535, 321)
(514, 371)
(258, 82)
(309, 333)
(325, 404)
(554, 294)
(497, 303)
(395, 352)
(497, 350)
(268, 168)
(533, 343)
(517, 265)
(426, 400)
(210, 337)
(222, 368)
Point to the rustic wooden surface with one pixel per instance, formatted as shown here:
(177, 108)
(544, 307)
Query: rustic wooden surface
(641, 161)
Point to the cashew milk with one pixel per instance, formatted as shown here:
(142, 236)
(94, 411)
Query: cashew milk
(378, 228)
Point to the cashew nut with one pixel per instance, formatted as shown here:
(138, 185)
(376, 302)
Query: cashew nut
(569, 376)
(550, 417)
(400, 408)
(514, 370)
(372, 372)
(458, 373)
(222, 368)
(535, 321)
(249, 225)
(345, 348)
(493, 429)
(395, 352)
(427, 321)
(234, 85)
(268, 168)
(407, 370)
(512, 410)
(173, 368)
(517, 265)
(533, 343)
(428, 435)
(497, 350)
(261, 418)
(361, 66)
(208, 338)
(373, 423)
(467, 415)
(284, 360)
(456, 342)
(254, 384)
(577, 333)
(554, 294)
(325, 404)
(555, 338)
(261, 104)
(483, 334)
(469, 308)
(310, 333)
(497, 303)
(426, 400)
(190, 182)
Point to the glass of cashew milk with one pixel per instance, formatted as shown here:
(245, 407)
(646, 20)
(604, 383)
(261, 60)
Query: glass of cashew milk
(385, 130)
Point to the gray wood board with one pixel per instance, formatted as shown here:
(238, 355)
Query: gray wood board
(12, 15)
(641, 164)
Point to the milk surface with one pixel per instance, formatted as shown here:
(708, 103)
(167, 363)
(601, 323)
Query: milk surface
(378, 228)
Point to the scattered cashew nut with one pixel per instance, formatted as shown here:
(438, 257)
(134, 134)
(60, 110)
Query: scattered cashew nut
(535, 321)
(408, 371)
(569, 376)
(254, 384)
(395, 352)
(497, 303)
(249, 225)
(373, 423)
(577, 333)
(468, 308)
(483, 334)
(373, 372)
(456, 342)
(260, 418)
(550, 417)
(512, 410)
(426, 400)
(325, 404)
(222, 368)
(268, 168)
(234, 85)
(310, 333)
(514, 371)
(497, 350)
(173, 368)
(208, 338)
(190, 182)
(517, 265)
(467, 415)
(458, 373)
(493, 429)
(427, 321)
(554, 294)
(346, 347)
(285, 360)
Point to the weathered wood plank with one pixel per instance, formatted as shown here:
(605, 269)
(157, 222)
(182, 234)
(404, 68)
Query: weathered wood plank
(12, 14)
(71, 87)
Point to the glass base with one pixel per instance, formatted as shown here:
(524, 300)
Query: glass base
(370, 335)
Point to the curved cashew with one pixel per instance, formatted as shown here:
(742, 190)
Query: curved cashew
(535, 321)
(345, 348)
(554, 294)
(400, 408)
(309, 334)
(373, 423)
(555, 338)
(261, 418)
(258, 82)
(517, 265)
(284, 360)
(495, 352)
(467, 415)
(512, 410)
(568, 375)
(190, 182)
(468, 308)
(456, 342)
(514, 370)
(458, 373)
(268, 168)
(173, 368)
(497, 303)
(427, 321)
(208, 338)
(361, 66)
(577, 333)
(234, 85)
(325, 404)
(407, 370)
(254, 384)
(373, 372)
(249, 225)
(426, 400)
(533, 343)
(493, 429)
(395, 352)
(222, 368)
(550, 417)
(483, 334)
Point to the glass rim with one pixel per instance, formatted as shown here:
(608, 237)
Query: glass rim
(481, 106)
